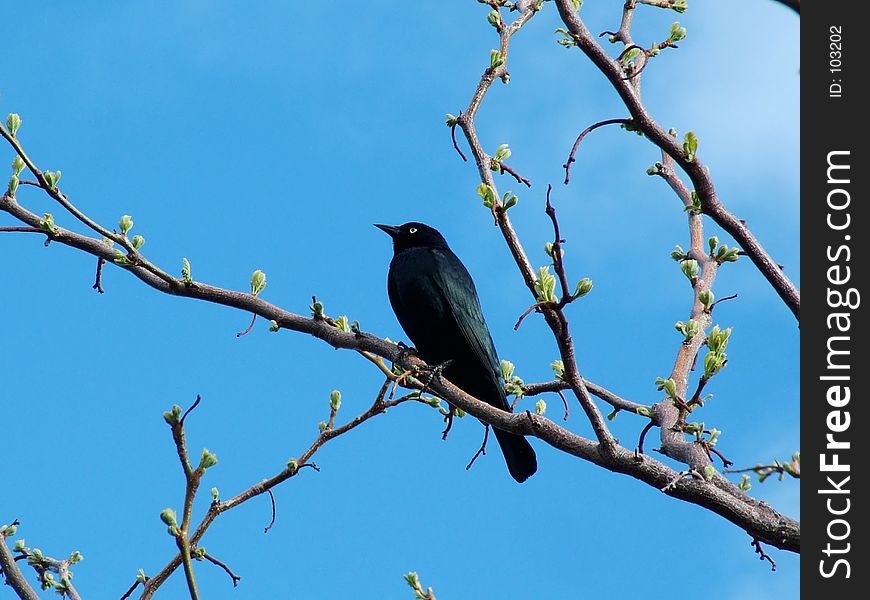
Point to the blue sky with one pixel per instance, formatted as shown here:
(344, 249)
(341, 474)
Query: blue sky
(269, 138)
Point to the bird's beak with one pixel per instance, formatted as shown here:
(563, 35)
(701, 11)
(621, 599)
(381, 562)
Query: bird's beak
(390, 230)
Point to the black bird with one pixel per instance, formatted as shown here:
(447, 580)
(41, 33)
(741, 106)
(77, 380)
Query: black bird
(436, 303)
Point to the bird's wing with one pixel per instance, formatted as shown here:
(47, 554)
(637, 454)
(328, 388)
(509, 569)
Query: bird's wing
(458, 289)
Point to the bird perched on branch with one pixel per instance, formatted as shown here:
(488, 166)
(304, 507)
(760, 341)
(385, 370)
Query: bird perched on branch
(436, 303)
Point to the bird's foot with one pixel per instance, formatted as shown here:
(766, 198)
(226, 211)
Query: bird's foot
(434, 371)
(405, 351)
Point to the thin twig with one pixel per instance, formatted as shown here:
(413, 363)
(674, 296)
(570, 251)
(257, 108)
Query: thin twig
(482, 449)
(236, 579)
(583, 134)
(250, 327)
(274, 512)
(98, 282)
(762, 555)
(503, 168)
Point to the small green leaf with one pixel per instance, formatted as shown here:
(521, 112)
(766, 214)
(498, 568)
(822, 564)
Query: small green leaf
(540, 407)
(558, 369)
(451, 120)
(709, 472)
(643, 411)
(138, 241)
(678, 253)
(494, 19)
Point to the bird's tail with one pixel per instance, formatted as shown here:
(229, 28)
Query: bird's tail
(518, 454)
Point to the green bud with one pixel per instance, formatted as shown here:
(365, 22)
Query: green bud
(713, 242)
(273, 326)
(13, 185)
(412, 579)
(168, 517)
(322, 426)
(714, 437)
(125, 224)
(207, 460)
(709, 472)
(140, 576)
(487, 194)
(706, 298)
(507, 370)
(643, 411)
(679, 6)
(652, 171)
(577, 4)
(258, 282)
(678, 253)
(677, 33)
(172, 416)
(510, 200)
(19, 546)
(198, 553)
(731, 255)
(695, 207)
(17, 165)
(185, 271)
(343, 324)
(51, 178)
(316, 309)
(584, 286)
(690, 269)
(460, 413)
(451, 120)
(47, 223)
(502, 153)
(545, 285)
(558, 369)
(434, 402)
(292, 466)
(690, 145)
(13, 122)
(540, 407)
(494, 19)
(76, 557)
(215, 494)
(138, 241)
(495, 59)
(612, 414)
(745, 485)
(8, 530)
(548, 248)
(335, 400)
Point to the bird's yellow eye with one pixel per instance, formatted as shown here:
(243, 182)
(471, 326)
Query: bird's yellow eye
(412, 230)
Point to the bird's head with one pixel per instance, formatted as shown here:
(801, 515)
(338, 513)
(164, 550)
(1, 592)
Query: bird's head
(413, 235)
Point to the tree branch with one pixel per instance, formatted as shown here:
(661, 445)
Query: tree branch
(697, 171)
